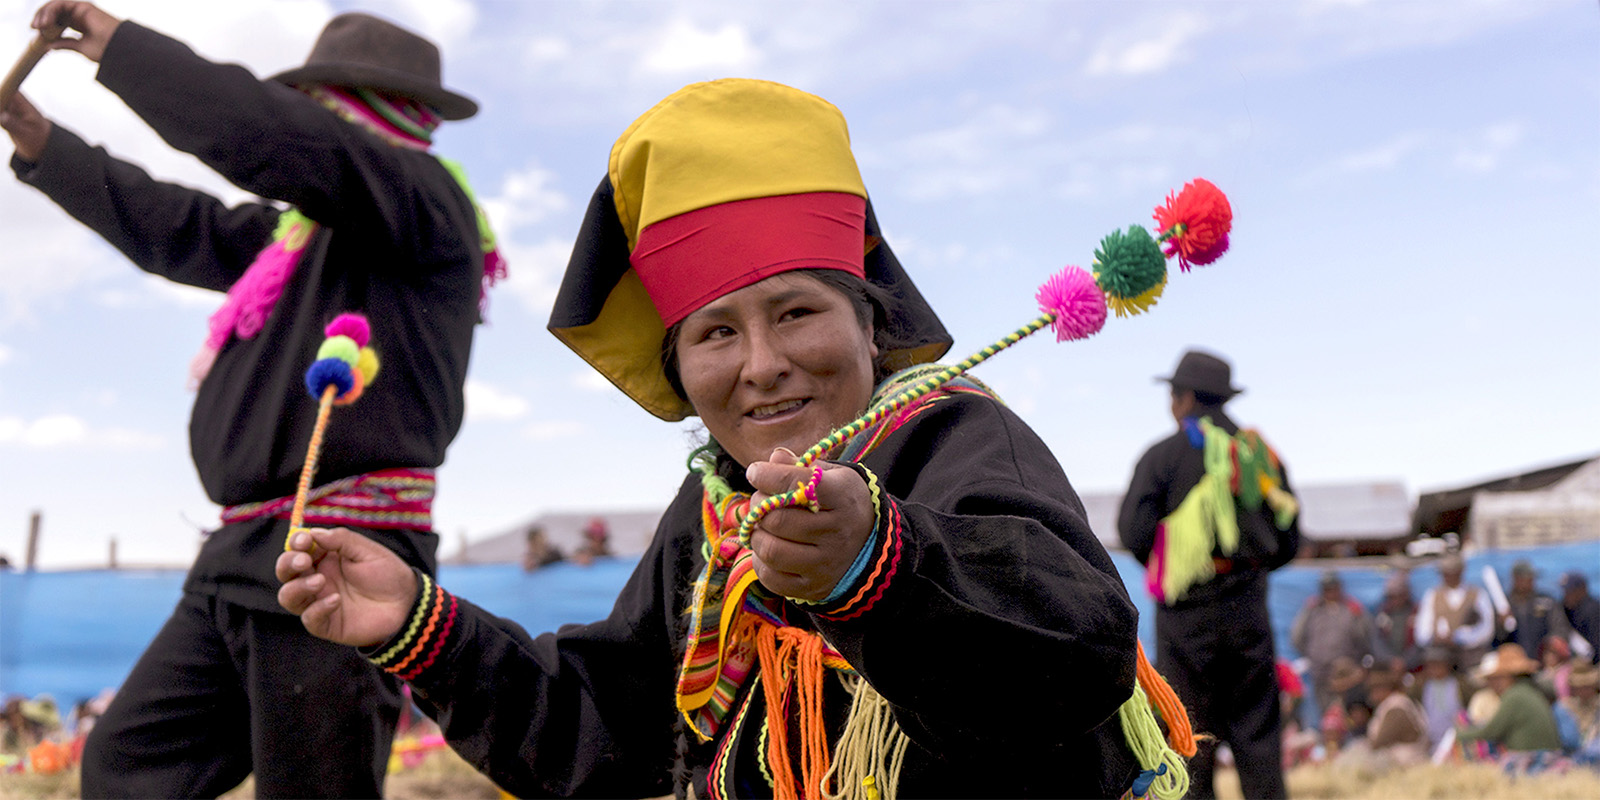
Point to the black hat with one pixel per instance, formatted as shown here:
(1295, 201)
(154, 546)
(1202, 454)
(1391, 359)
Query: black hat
(1204, 373)
(358, 49)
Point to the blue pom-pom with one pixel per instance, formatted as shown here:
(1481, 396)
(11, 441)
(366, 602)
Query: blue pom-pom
(329, 372)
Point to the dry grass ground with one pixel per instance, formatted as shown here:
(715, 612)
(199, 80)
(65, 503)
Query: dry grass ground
(441, 774)
(444, 775)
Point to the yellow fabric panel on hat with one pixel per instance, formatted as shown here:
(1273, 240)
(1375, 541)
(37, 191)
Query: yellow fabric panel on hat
(731, 139)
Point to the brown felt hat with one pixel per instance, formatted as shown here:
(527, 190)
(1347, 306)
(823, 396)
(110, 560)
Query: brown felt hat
(357, 49)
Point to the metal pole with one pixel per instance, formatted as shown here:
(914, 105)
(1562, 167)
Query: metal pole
(33, 541)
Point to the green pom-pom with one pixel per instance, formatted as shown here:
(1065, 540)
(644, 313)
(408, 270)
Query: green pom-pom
(343, 348)
(1129, 264)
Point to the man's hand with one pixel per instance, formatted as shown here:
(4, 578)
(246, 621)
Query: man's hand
(802, 553)
(348, 588)
(28, 129)
(93, 26)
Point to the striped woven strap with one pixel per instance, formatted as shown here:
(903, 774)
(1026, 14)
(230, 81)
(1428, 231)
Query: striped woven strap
(390, 499)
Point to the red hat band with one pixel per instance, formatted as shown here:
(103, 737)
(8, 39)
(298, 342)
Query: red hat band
(693, 258)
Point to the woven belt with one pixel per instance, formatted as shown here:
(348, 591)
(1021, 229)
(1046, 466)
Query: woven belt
(388, 498)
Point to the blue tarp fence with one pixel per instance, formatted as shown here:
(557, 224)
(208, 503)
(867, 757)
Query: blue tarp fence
(72, 634)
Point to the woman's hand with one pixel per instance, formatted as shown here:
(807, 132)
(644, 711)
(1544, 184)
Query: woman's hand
(348, 589)
(94, 27)
(802, 553)
(28, 129)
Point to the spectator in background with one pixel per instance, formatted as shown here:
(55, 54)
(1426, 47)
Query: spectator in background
(1393, 643)
(1555, 661)
(539, 552)
(1347, 692)
(1523, 722)
(596, 542)
(1532, 615)
(1583, 614)
(1455, 614)
(1441, 691)
(1331, 625)
(1397, 735)
(1584, 706)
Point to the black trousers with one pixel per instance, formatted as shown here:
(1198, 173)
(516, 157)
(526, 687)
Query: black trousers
(1219, 658)
(224, 691)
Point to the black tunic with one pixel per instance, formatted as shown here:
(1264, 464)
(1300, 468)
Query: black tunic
(1005, 642)
(398, 240)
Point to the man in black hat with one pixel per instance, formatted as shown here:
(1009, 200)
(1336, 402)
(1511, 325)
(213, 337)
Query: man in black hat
(374, 224)
(1208, 548)
(1583, 612)
(1531, 615)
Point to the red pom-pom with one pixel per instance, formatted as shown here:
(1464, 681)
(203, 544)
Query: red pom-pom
(1195, 223)
(352, 325)
(1076, 300)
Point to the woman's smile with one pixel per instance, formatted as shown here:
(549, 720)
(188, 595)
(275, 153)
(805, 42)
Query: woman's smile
(779, 363)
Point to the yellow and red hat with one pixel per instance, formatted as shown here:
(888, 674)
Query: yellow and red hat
(719, 186)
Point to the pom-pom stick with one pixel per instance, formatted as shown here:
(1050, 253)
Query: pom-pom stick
(297, 516)
(1062, 299)
(25, 64)
(344, 367)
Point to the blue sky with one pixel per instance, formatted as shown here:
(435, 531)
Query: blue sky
(1412, 292)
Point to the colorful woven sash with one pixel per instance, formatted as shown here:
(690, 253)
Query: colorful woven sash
(390, 499)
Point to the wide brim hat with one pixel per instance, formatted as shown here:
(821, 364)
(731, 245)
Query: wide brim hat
(1203, 372)
(356, 49)
(1507, 660)
(741, 171)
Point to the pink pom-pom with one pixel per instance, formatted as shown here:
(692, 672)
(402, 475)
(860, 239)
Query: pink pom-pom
(1076, 300)
(352, 325)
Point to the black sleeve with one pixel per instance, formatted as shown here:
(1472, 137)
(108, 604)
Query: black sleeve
(169, 230)
(1144, 505)
(279, 143)
(586, 711)
(995, 613)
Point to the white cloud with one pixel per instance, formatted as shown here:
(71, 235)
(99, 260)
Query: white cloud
(5, 354)
(64, 430)
(1483, 152)
(589, 380)
(1148, 54)
(486, 402)
(534, 272)
(526, 198)
(682, 47)
(1384, 156)
(554, 429)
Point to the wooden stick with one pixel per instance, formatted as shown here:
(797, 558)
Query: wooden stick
(307, 472)
(30, 58)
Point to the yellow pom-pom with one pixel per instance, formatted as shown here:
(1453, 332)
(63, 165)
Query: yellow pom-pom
(343, 348)
(1129, 306)
(367, 364)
